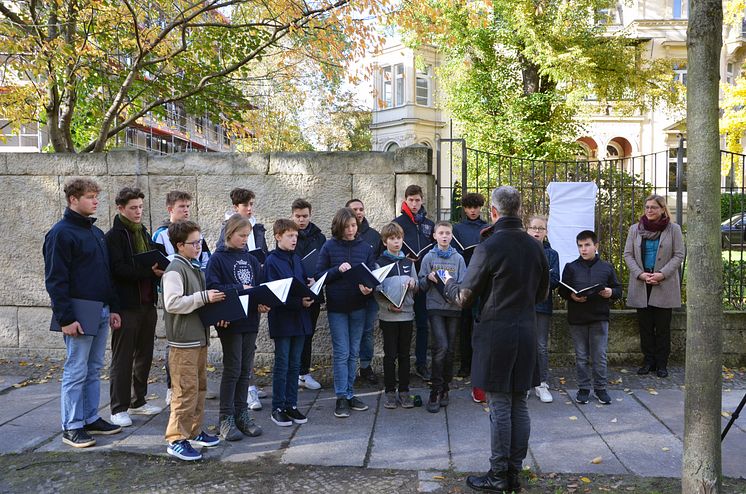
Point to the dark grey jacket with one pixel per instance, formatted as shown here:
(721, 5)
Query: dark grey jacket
(508, 275)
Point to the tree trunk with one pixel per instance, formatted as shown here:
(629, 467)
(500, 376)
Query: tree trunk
(701, 470)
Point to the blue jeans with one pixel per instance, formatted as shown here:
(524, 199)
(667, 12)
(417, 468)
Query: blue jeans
(288, 352)
(346, 330)
(510, 428)
(590, 341)
(81, 388)
(420, 319)
(368, 341)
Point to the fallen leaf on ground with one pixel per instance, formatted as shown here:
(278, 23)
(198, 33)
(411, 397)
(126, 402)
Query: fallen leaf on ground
(23, 363)
(624, 371)
(152, 396)
(572, 417)
(613, 421)
(210, 368)
(616, 381)
(597, 460)
(586, 480)
(568, 403)
(486, 409)
(620, 399)
(438, 477)
(725, 414)
(652, 391)
(665, 449)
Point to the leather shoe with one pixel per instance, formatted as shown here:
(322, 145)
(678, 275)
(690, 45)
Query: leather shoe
(662, 372)
(489, 482)
(645, 369)
(514, 480)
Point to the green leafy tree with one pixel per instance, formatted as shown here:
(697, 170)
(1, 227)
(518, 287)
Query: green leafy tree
(87, 69)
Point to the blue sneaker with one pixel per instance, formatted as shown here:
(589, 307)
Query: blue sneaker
(206, 440)
(183, 451)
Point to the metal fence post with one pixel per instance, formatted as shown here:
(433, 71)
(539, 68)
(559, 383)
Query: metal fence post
(679, 172)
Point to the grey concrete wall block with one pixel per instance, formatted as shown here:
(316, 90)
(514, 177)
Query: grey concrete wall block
(33, 329)
(378, 193)
(9, 327)
(330, 163)
(225, 163)
(413, 159)
(64, 164)
(127, 162)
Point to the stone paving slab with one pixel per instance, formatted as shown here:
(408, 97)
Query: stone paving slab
(668, 406)
(638, 439)
(31, 429)
(7, 382)
(468, 432)
(273, 437)
(564, 441)
(332, 441)
(410, 438)
(15, 403)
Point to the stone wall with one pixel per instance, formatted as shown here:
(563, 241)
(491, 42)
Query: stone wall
(33, 201)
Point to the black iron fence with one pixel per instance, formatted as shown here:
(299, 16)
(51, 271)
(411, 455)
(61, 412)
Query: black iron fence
(623, 184)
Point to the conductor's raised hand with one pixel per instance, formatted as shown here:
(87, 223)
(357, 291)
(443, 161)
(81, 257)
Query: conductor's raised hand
(215, 296)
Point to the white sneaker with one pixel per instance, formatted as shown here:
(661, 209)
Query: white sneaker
(542, 391)
(261, 393)
(308, 382)
(122, 419)
(168, 397)
(253, 401)
(146, 409)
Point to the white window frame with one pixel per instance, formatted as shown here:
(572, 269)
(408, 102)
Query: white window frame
(426, 77)
(387, 86)
(399, 94)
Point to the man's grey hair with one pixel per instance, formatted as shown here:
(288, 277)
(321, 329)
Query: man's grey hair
(506, 200)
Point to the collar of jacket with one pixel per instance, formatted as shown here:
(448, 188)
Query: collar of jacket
(79, 219)
(193, 263)
(363, 227)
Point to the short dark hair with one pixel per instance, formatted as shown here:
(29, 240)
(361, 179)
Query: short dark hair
(177, 195)
(179, 231)
(284, 225)
(587, 234)
(442, 223)
(301, 204)
(347, 204)
(241, 196)
(472, 200)
(391, 230)
(78, 187)
(340, 220)
(127, 194)
(413, 190)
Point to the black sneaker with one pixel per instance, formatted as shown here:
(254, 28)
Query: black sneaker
(281, 418)
(421, 370)
(296, 415)
(443, 397)
(433, 404)
(583, 396)
(463, 372)
(602, 396)
(77, 438)
(342, 410)
(228, 428)
(357, 404)
(367, 374)
(101, 426)
(245, 423)
(662, 372)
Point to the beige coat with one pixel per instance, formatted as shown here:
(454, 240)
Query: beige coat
(670, 256)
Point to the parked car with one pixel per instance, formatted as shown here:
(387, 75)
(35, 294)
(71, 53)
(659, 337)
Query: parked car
(732, 231)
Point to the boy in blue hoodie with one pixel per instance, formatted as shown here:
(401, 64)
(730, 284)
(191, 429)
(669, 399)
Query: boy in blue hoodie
(289, 325)
(443, 314)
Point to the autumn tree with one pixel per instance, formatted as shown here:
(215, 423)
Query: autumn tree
(87, 69)
(516, 72)
(702, 467)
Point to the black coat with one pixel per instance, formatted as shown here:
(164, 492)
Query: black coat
(136, 285)
(509, 275)
(371, 236)
(580, 274)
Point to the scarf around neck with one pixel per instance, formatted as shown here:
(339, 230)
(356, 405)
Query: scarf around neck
(417, 218)
(651, 230)
(444, 254)
(140, 243)
(389, 255)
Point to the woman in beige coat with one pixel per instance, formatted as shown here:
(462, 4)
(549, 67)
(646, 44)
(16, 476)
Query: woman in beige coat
(654, 252)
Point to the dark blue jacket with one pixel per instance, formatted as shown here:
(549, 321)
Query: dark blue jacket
(291, 319)
(580, 274)
(467, 232)
(308, 239)
(416, 235)
(76, 265)
(554, 278)
(231, 269)
(371, 236)
(341, 295)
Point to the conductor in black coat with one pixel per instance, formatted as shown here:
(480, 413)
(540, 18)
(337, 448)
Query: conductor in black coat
(507, 276)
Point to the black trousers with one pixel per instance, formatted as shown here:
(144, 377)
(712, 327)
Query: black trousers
(443, 331)
(397, 339)
(131, 357)
(467, 326)
(305, 357)
(655, 335)
(238, 359)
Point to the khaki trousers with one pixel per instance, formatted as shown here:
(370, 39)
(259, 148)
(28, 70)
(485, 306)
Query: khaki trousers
(188, 388)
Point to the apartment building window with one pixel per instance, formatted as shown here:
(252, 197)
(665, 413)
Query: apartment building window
(399, 84)
(679, 73)
(423, 86)
(26, 136)
(387, 88)
(680, 9)
(672, 164)
(730, 76)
